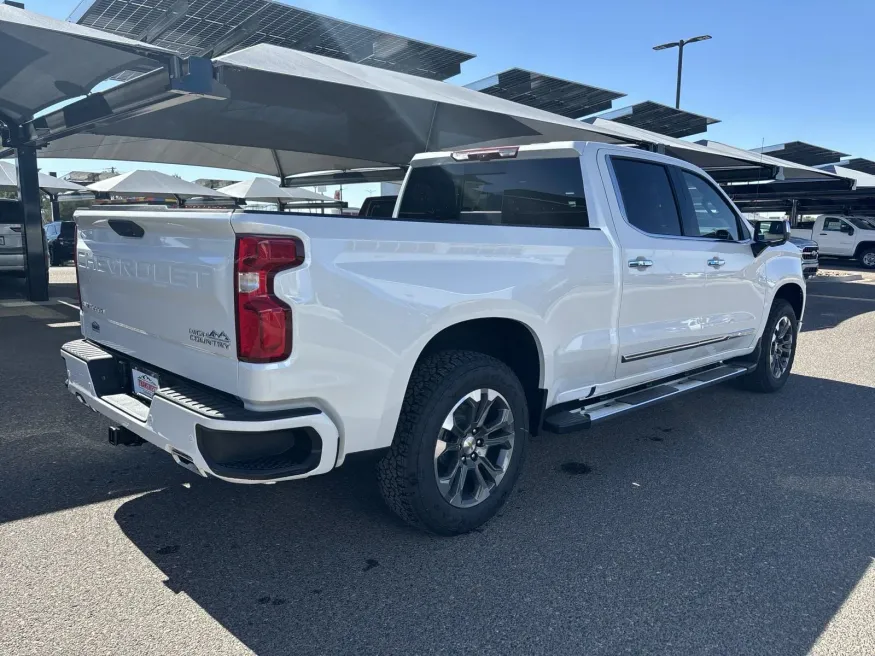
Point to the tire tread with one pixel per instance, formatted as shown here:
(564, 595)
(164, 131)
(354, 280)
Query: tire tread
(760, 379)
(397, 483)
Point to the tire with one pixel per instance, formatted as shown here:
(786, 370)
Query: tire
(867, 258)
(764, 378)
(442, 386)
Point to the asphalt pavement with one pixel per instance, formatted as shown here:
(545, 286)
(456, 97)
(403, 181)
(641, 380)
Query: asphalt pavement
(721, 523)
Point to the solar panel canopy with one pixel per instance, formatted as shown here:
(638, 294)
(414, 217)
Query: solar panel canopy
(44, 61)
(551, 94)
(802, 153)
(858, 164)
(660, 118)
(863, 180)
(214, 27)
(288, 112)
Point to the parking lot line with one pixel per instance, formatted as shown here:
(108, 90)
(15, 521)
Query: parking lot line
(844, 298)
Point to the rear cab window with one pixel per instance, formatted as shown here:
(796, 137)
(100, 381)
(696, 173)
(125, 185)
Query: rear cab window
(541, 192)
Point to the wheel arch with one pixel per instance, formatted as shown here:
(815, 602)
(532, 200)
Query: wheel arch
(863, 246)
(793, 293)
(508, 339)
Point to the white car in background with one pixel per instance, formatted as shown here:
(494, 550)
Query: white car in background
(842, 236)
(11, 240)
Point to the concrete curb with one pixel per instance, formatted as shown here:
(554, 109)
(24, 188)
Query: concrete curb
(853, 277)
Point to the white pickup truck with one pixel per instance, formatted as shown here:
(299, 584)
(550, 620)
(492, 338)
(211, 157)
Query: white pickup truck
(514, 290)
(842, 236)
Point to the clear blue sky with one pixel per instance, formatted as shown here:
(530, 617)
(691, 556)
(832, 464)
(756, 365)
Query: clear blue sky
(774, 71)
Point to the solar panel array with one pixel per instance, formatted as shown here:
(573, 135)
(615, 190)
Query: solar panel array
(663, 119)
(859, 164)
(551, 94)
(195, 27)
(802, 153)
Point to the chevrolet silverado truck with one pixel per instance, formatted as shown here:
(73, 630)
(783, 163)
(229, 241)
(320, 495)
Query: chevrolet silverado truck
(842, 236)
(513, 290)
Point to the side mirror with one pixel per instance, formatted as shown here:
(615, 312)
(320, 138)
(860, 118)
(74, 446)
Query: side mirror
(850, 231)
(770, 233)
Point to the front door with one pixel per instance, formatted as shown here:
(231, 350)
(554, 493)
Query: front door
(733, 300)
(835, 237)
(663, 274)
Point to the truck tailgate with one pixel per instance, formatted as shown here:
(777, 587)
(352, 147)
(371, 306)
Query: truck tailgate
(10, 239)
(157, 285)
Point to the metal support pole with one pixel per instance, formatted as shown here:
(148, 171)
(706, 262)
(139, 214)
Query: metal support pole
(56, 207)
(794, 213)
(34, 241)
(677, 100)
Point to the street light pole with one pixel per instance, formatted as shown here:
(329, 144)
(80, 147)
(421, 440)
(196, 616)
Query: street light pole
(680, 46)
(677, 97)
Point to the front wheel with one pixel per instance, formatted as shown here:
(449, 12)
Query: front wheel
(459, 445)
(777, 350)
(867, 258)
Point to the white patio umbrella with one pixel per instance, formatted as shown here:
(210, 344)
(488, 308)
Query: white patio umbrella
(48, 183)
(269, 191)
(142, 182)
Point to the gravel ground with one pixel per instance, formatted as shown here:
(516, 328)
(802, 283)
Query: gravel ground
(722, 523)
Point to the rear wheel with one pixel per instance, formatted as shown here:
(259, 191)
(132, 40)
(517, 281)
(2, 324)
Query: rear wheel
(460, 443)
(777, 350)
(867, 258)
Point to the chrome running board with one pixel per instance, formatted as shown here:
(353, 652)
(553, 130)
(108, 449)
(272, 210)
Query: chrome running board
(575, 416)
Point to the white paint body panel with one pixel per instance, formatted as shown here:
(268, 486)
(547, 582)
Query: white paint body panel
(372, 293)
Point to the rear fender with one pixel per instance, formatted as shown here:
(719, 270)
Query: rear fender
(449, 317)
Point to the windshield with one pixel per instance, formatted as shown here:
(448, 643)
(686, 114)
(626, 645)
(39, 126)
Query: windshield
(863, 224)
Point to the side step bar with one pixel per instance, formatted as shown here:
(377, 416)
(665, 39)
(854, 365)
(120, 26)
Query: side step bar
(569, 418)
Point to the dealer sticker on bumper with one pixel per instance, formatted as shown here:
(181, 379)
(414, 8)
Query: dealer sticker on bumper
(145, 384)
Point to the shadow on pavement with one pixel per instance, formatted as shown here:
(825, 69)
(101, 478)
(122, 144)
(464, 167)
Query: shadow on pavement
(723, 523)
(54, 451)
(831, 303)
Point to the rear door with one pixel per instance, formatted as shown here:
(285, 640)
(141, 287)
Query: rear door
(733, 300)
(835, 237)
(663, 274)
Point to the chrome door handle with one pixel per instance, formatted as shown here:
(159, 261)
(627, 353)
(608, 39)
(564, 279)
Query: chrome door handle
(640, 263)
(716, 262)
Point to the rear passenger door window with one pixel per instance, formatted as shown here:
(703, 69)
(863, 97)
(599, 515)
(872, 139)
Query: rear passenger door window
(708, 214)
(648, 200)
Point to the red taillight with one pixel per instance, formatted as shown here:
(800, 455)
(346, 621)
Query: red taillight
(264, 322)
